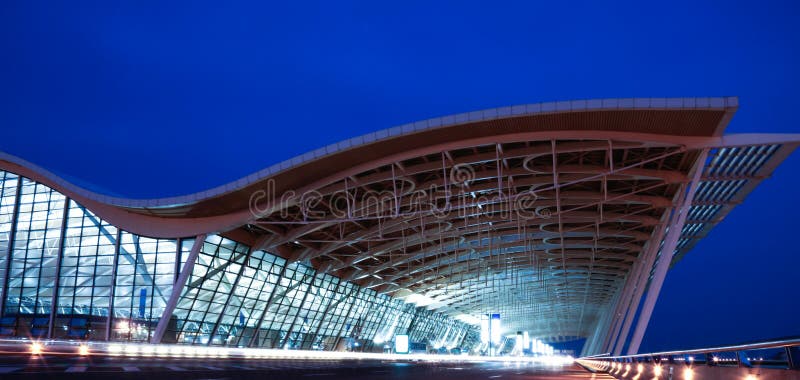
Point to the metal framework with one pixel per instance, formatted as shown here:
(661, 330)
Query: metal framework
(559, 216)
(72, 275)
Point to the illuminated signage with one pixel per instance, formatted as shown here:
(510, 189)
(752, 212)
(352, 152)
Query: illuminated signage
(401, 344)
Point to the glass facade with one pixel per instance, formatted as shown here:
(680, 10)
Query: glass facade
(68, 274)
(9, 184)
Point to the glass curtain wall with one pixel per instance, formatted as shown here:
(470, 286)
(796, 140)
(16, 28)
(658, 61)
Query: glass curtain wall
(110, 284)
(9, 184)
(33, 261)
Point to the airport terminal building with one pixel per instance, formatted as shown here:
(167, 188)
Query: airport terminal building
(561, 217)
(73, 275)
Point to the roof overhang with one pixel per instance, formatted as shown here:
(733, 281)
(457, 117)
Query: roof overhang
(541, 211)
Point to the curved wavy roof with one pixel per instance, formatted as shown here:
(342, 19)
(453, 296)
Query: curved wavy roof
(557, 199)
(649, 116)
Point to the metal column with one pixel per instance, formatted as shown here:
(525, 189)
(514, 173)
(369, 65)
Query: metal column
(59, 258)
(178, 254)
(163, 322)
(110, 318)
(641, 282)
(618, 316)
(10, 249)
(667, 251)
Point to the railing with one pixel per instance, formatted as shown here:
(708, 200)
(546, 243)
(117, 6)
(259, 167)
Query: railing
(778, 359)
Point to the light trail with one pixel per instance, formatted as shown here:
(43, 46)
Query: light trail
(73, 348)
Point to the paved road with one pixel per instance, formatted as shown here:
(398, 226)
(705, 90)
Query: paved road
(123, 368)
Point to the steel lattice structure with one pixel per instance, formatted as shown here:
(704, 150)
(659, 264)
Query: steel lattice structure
(558, 215)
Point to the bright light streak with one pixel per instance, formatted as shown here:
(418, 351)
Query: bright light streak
(162, 351)
(688, 374)
(114, 349)
(657, 370)
(131, 350)
(147, 350)
(548, 360)
(640, 368)
(134, 350)
(750, 377)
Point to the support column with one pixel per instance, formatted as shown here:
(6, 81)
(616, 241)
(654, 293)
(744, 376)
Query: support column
(10, 249)
(641, 284)
(59, 258)
(178, 253)
(178, 289)
(113, 289)
(591, 341)
(603, 330)
(619, 309)
(667, 251)
(640, 271)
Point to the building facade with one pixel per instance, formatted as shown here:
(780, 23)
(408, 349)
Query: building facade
(69, 274)
(561, 217)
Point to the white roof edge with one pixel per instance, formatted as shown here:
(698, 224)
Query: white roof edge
(497, 113)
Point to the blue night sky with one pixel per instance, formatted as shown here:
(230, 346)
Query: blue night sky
(160, 99)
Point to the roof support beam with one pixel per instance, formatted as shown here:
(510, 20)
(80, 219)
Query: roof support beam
(667, 252)
(621, 307)
(186, 271)
(649, 258)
